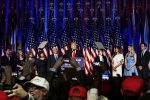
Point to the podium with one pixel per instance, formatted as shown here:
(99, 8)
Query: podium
(66, 64)
(69, 70)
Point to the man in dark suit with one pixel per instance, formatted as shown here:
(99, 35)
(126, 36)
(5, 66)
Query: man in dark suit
(101, 64)
(53, 58)
(73, 52)
(101, 59)
(142, 61)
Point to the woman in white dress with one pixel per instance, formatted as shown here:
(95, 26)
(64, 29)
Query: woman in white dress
(117, 62)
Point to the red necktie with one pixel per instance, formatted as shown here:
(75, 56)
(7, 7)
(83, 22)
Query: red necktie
(73, 54)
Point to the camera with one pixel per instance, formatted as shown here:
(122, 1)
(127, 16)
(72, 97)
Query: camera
(6, 87)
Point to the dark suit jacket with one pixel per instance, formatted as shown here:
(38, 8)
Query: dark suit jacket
(103, 65)
(5, 61)
(69, 53)
(143, 61)
(97, 59)
(41, 67)
(51, 61)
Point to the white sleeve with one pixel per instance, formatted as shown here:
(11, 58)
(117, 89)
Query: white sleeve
(122, 57)
(30, 97)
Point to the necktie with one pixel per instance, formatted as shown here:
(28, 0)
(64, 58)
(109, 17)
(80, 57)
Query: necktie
(73, 54)
(8, 58)
(142, 54)
(56, 57)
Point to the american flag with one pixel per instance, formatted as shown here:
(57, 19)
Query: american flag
(76, 34)
(99, 28)
(107, 34)
(60, 27)
(92, 42)
(91, 36)
(87, 57)
(51, 29)
(95, 37)
(79, 30)
(117, 32)
(53, 37)
(100, 24)
(31, 36)
(42, 33)
(87, 51)
(43, 36)
(75, 37)
(107, 39)
(64, 38)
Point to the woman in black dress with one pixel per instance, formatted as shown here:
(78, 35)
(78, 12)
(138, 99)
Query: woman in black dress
(41, 65)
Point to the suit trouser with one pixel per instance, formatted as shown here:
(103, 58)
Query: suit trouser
(8, 74)
(144, 73)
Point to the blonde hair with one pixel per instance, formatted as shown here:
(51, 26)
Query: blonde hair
(132, 50)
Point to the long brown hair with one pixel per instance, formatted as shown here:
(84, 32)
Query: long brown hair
(119, 50)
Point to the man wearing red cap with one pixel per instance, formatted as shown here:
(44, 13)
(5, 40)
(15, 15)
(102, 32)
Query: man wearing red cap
(77, 93)
(132, 87)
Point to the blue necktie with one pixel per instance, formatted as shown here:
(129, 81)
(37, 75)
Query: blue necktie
(56, 57)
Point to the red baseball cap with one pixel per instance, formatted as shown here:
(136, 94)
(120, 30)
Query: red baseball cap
(78, 91)
(132, 86)
(3, 96)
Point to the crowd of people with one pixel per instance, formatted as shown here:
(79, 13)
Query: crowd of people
(26, 77)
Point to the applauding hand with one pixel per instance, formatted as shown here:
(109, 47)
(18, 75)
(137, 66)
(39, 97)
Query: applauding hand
(58, 63)
(74, 63)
